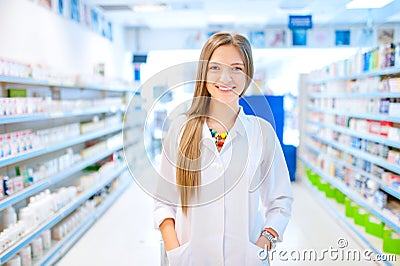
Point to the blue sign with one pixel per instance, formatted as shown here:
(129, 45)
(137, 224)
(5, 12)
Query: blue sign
(300, 22)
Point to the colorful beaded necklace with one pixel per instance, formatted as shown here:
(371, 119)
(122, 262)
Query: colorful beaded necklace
(219, 138)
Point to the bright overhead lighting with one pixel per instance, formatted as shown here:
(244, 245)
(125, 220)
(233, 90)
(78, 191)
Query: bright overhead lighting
(150, 7)
(355, 4)
(221, 18)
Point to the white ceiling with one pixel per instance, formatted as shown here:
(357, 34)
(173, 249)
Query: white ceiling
(245, 13)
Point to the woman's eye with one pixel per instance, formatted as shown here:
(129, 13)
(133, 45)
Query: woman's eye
(214, 67)
(237, 69)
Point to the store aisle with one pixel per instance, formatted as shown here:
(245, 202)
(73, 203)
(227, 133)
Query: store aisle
(125, 235)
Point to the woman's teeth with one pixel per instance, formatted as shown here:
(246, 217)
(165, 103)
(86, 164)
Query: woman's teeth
(225, 88)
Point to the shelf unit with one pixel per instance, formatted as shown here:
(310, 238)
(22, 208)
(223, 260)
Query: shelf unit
(377, 117)
(60, 115)
(69, 174)
(57, 217)
(45, 83)
(43, 184)
(335, 208)
(60, 248)
(63, 145)
(322, 153)
(379, 72)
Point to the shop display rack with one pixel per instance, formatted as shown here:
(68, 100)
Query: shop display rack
(12, 123)
(386, 188)
(333, 207)
(57, 217)
(350, 132)
(379, 72)
(62, 145)
(376, 117)
(61, 247)
(43, 184)
(60, 115)
(352, 195)
(45, 83)
(325, 133)
(360, 154)
(356, 95)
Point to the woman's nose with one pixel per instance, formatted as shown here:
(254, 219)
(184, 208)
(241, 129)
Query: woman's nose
(225, 75)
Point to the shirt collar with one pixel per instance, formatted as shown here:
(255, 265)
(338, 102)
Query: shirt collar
(241, 123)
(239, 127)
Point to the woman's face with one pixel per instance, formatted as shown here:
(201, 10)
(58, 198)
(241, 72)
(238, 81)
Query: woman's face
(225, 74)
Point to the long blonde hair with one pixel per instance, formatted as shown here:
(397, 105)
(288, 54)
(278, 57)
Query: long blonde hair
(188, 173)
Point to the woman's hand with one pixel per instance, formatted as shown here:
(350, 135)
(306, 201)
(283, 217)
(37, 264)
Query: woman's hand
(167, 228)
(263, 242)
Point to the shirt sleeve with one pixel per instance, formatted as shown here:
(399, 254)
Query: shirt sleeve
(276, 193)
(167, 197)
(163, 209)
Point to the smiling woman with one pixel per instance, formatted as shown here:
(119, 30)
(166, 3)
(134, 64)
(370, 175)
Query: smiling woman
(224, 164)
(226, 80)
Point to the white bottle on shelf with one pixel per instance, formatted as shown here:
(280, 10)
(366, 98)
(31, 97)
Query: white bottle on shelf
(9, 217)
(26, 256)
(14, 261)
(33, 205)
(46, 238)
(27, 216)
(37, 247)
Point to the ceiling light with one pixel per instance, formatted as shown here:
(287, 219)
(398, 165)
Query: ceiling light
(221, 18)
(355, 4)
(150, 7)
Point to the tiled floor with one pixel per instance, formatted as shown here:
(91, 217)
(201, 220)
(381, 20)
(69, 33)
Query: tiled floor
(125, 235)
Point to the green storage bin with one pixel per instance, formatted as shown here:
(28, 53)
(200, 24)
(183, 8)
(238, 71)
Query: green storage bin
(374, 226)
(330, 192)
(339, 196)
(323, 186)
(316, 180)
(351, 208)
(360, 216)
(391, 242)
(311, 176)
(308, 172)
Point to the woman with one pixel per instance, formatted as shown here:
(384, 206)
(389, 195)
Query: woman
(231, 177)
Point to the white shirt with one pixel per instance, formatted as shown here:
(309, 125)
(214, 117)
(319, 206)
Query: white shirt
(245, 188)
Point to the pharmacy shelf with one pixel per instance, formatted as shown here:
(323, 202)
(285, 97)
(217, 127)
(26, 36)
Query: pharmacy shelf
(341, 217)
(60, 248)
(45, 83)
(57, 217)
(395, 193)
(319, 95)
(380, 72)
(377, 117)
(358, 153)
(351, 132)
(31, 81)
(61, 145)
(352, 195)
(66, 114)
(105, 87)
(43, 184)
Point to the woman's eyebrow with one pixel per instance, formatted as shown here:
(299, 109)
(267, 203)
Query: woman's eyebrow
(217, 63)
